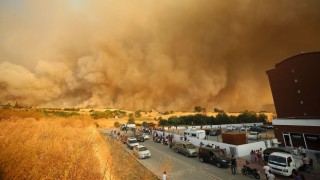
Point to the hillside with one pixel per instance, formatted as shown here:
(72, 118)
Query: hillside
(38, 146)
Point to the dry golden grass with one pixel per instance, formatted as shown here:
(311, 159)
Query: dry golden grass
(50, 149)
(36, 147)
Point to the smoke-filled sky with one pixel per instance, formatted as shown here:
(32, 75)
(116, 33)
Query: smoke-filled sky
(150, 54)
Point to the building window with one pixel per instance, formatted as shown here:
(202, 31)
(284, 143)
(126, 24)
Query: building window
(296, 80)
(299, 91)
(301, 102)
(292, 70)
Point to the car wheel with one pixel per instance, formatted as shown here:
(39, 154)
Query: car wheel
(201, 159)
(218, 165)
(187, 154)
(176, 150)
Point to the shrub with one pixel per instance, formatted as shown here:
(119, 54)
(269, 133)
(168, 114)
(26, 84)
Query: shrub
(131, 120)
(116, 124)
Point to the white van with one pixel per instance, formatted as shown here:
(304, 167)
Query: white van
(254, 136)
(200, 134)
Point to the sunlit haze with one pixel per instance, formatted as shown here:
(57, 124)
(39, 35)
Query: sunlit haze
(144, 54)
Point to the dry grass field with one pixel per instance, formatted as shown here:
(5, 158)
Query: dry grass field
(34, 146)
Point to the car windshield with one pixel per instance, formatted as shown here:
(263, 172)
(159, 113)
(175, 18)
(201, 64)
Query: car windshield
(132, 141)
(190, 146)
(277, 160)
(143, 149)
(253, 134)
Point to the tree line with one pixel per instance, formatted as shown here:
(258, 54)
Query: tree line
(221, 118)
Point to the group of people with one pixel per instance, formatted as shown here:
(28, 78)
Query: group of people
(256, 156)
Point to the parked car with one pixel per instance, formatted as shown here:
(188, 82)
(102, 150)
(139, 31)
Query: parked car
(257, 129)
(146, 136)
(186, 148)
(268, 151)
(214, 156)
(254, 136)
(231, 128)
(263, 127)
(207, 131)
(132, 142)
(284, 163)
(244, 129)
(140, 138)
(215, 132)
(141, 152)
(270, 127)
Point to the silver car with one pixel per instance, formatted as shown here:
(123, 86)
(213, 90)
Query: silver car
(185, 148)
(141, 152)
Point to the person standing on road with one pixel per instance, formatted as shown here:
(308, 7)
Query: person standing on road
(164, 175)
(259, 156)
(255, 155)
(266, 169)
(270, 176)
(252, 156)
(233, 165)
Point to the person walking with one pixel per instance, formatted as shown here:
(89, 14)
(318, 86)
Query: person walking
(233, 165)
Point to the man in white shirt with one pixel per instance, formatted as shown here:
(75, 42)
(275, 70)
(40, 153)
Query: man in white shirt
(266, 169)
(164, 175)
(271, 176)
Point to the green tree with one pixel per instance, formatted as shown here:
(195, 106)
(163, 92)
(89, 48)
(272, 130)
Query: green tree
(197, 108)
(222, 118)
(216, 110)
(137, 113)
(263, 118)
(131, 120)
(116, 124)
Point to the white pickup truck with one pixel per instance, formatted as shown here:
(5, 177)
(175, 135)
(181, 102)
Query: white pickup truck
(284, 163)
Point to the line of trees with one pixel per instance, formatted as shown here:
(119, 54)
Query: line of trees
(221, 118)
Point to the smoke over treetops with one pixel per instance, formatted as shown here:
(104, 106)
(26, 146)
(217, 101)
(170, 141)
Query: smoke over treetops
(144, 54)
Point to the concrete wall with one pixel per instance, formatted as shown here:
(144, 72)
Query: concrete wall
(242, 150)
(245, 149)
(211, 126)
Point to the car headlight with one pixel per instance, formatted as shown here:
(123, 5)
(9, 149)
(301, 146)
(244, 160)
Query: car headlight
(285, 170)
(223, 160)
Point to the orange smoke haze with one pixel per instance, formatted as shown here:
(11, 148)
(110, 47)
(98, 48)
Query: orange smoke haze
(142, 54)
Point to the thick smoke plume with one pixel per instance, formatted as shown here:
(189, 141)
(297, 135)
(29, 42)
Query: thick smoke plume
(142, 54)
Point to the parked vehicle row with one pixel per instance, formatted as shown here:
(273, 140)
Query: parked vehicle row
(140, 151)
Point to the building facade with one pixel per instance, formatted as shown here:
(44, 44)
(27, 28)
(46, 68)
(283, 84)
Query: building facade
(295, 87)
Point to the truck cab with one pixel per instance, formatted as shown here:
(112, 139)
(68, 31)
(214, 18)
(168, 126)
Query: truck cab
(284, 163)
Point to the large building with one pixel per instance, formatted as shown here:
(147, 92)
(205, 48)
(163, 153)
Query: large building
(295, 86)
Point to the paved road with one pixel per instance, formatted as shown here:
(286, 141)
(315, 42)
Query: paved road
(183, 167)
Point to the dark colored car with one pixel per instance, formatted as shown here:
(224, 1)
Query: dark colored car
(257, 129)
(207, 131)
(214, 156)
(268, 151)
(140, 138)
(216, 132)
